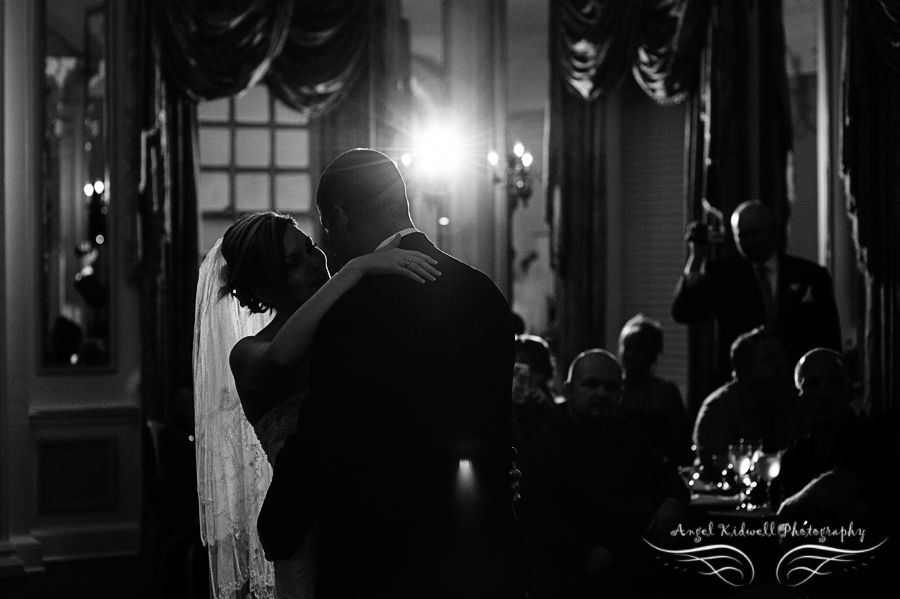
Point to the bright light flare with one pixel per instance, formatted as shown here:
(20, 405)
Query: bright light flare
(438, 150)
(406, 159)
(493, 158)
(99, 187)
(527, 159)
(443, 221)
(88, 189)
(518, 149)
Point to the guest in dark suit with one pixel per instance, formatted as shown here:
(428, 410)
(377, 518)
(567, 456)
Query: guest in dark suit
(841, 474)
(592, 486)
(758, 286)
(758, 405)
(403, 448)
(831, 471)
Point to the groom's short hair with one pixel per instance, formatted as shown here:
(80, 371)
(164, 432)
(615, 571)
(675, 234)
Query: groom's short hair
(363, 180)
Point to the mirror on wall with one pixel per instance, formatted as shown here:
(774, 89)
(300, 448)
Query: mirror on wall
(75, 232)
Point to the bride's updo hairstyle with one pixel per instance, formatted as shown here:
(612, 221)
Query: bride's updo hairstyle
(253, 249)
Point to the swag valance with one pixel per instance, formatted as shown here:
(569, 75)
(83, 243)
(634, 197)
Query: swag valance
(659, 41)
(309, 52)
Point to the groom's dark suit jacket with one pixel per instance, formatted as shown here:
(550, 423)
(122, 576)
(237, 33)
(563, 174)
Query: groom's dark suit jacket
(807, 313)
(404, 444)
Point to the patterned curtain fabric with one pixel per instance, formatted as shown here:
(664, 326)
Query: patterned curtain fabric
(593, 46)
(594, 43)
(597, 42)
(672, 35)
(577, 202)
(310, 52)
(871, 147)
(323, 57)
(217, 49)
(729, 115)
(168, 233)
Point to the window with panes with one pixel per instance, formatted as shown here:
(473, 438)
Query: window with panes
(255, 154)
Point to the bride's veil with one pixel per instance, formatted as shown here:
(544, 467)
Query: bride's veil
(232, 472)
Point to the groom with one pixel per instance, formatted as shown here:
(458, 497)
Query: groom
(403, 447)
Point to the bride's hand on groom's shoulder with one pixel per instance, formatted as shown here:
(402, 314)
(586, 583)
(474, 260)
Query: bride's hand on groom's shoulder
(391, 260)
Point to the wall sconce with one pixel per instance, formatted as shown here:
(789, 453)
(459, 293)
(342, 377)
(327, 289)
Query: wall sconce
(519, 182)
(518, 174)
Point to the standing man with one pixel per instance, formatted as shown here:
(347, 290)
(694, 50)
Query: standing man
(403, 447)
(758, 286)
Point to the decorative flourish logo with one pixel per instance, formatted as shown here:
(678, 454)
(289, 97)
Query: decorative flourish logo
(796, 567)
(802, 563)
(728, 563)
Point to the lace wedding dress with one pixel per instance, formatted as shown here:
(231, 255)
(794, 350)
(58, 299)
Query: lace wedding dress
(294, 578)
(234, 460)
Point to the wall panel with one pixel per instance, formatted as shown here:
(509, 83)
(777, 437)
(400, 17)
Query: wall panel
(87, 495)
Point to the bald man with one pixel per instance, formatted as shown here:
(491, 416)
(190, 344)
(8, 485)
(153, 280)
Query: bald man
(592, 486)
(840, 475)
(825, 472)
(758, 286)
(403, 447)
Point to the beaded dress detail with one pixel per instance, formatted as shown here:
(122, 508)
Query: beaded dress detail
(294, 578)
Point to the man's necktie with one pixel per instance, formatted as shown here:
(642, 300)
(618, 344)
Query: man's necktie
(768, 297)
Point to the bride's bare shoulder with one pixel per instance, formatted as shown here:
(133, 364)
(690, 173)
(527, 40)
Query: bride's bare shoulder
(244, 353)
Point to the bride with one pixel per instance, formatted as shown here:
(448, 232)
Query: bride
(246, 404)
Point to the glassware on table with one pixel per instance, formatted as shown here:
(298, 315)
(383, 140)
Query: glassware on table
(718, 473)
(768, 467)
(742, 458)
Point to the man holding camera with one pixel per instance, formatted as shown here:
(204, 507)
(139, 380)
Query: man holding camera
(758, 286)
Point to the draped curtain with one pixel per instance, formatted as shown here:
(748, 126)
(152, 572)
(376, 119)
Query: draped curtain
(310, 53)
(871, 164)
(674, 49)
(593, 46)
(167, 234)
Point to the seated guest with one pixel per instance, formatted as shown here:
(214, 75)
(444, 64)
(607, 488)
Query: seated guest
(824, 473)
(757, 405)
(534, 351)
(592, 486)
(654, 405)
(532, 401)
(839, 475)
